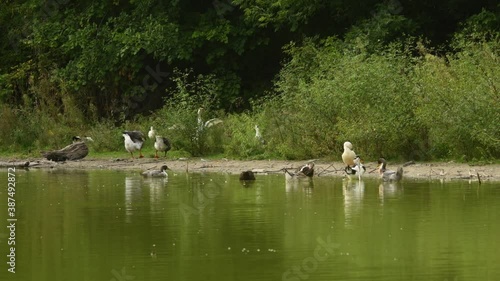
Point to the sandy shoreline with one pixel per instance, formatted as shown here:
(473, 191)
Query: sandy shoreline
(427, 170)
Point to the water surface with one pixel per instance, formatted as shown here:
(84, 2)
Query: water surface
(102, 225)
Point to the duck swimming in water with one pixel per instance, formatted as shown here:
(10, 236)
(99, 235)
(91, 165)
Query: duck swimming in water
(162, 173)
(133, 141)
(388, 175)
(247, 176)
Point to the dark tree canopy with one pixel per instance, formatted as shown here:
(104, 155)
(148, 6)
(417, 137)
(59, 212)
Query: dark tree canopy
(114, 58)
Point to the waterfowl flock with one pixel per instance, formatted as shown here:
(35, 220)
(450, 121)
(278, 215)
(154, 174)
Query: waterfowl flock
(355, 166)
(134, 140)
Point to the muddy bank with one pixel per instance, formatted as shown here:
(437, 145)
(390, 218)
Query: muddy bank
(433, 170)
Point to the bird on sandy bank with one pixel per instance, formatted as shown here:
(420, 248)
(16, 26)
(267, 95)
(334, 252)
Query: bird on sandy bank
(358, 169)
(348, 155)
(133, 141)
(162, 144)
(304, 172)
(151, 133)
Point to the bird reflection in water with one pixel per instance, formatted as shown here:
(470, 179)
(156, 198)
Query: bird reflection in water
(132, 194)
(353, 192)
(387, 190)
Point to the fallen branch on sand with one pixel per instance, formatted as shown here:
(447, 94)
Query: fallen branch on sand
(73, 151)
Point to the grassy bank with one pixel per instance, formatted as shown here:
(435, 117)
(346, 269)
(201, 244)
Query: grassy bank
(403, 102)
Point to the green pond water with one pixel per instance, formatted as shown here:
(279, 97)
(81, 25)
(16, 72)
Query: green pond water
(102, 225)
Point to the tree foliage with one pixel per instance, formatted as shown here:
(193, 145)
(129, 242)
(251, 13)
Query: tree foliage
(87, 64)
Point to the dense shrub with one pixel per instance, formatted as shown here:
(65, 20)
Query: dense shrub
(458, 101)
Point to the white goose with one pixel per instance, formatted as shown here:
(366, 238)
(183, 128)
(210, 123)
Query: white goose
(151, 133)
(133, 141)
(348, 155)
(162, 173)
(162, 144)
(352, 161)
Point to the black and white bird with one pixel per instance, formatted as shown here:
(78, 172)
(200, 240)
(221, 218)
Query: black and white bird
(162, 144)
(133, 141)
(388, 175)
(162, 173)
(304, 172)
(151, 133)
(359, 169)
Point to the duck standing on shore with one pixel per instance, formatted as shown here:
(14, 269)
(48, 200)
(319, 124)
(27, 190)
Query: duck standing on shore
(133, 141)
(151, 133)
(358, 169)
(348, 155)
(352, 161)
(162, 144)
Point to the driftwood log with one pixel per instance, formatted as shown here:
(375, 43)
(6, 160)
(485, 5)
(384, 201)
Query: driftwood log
(74, 151)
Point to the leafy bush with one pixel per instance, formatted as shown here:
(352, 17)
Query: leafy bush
(458, 102)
